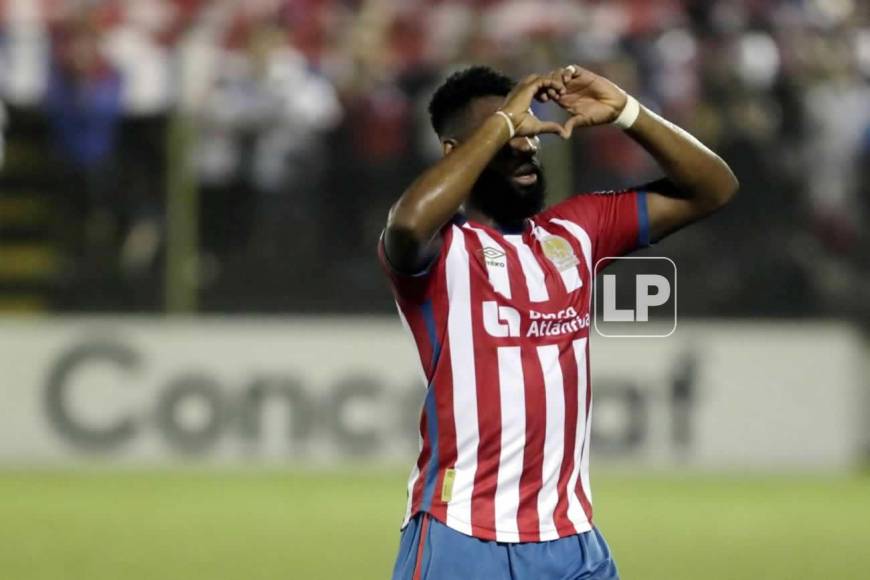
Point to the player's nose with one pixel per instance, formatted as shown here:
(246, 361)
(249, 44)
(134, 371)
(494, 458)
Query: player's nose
(525, 145)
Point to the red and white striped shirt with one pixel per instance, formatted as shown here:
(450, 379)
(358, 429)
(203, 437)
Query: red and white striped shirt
(501, 322)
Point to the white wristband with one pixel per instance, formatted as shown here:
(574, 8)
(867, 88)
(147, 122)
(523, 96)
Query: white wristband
(509, 122)
(629, 113)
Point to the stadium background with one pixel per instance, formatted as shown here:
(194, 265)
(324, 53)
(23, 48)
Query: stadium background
(190, 196)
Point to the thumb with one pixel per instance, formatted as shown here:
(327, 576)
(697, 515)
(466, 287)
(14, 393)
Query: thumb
(537, 127)
(576, 121)
(554, 128)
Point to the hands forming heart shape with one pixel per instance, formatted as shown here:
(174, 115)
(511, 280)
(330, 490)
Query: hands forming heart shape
(588, 98)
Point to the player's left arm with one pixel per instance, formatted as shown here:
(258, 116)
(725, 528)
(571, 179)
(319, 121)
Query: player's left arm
(697, 183)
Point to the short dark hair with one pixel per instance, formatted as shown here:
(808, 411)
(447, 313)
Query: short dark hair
(460, 88)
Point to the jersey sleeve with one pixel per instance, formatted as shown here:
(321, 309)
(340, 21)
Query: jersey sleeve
(617, 222)
(414, 288)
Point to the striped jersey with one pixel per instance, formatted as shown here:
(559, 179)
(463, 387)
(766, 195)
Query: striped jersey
(501, 323)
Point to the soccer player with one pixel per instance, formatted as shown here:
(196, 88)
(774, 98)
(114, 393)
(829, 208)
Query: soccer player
(477, 265)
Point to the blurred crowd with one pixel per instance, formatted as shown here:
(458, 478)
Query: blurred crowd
(300, 121)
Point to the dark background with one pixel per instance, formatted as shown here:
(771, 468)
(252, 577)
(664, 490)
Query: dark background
(284, 130)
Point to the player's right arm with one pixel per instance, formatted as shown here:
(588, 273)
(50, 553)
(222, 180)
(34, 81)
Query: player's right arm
(411, 237)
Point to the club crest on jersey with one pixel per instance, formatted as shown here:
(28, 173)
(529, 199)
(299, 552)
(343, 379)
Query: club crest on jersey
(559, 251)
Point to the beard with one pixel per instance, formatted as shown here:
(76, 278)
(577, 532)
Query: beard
(498, 197)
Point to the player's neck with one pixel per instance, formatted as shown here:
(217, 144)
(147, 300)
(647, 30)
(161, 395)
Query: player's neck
(512, 226)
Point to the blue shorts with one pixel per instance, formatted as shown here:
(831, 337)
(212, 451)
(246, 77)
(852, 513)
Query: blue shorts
(429, 550)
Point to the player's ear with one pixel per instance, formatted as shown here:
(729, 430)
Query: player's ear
(447, 146)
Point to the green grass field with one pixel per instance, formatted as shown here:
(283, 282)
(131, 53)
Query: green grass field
(184, 525)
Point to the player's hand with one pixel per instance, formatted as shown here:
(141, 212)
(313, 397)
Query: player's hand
(517, 105)
(590, 99)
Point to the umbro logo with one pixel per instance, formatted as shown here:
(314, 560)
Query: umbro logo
(492, 253)
(492, 257)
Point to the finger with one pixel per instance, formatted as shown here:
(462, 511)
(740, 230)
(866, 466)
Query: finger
(548, 94)
(575, 121)
(577, 70)
(552, 81)
(557, 77)
(531, 87)
(538, 87)
(535, 87)
(530, 83)
(568, 73)
(570, 124)
(552, 128)
(557, 74)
